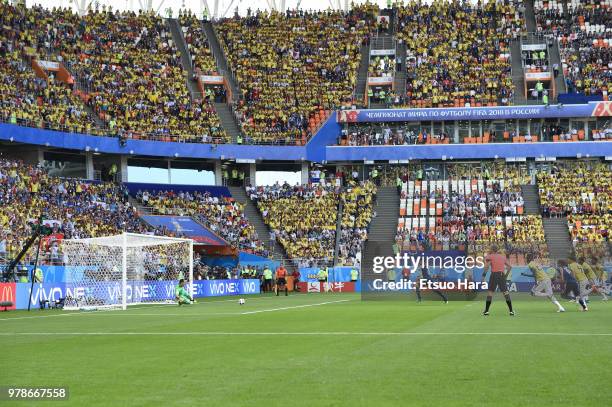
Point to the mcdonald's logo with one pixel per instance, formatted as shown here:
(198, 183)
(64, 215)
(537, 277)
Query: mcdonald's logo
(7, 293)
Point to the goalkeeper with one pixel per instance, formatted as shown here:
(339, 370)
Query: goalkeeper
(182, 296)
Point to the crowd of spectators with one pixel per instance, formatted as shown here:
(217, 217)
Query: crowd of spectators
(549, 16)
(133, 75)
(583, 32)
(25, 98)
(301, 218)
(357, 212)
(197, 43)
(576, 188)
(445, 212)
(222, 215)
(381, 67)
(590, 228)
(70, 209)
(292, 66)
(125, 66)
(586, 48)
(382, 134)
(458, 52)
(385, 134)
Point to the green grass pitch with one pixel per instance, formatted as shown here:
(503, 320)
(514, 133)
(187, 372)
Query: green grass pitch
(315, 350)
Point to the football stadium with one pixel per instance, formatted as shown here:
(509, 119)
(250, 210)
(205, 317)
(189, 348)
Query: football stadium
(323, 203)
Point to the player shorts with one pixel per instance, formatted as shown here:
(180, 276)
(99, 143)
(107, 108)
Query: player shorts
(583, 289)
(497, 280)
(281, 281)
(544, 286)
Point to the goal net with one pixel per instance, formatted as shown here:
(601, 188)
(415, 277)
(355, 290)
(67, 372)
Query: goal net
(127, 269)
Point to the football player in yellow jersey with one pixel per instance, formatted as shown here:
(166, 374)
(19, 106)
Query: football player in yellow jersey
(601, 278)
(592, 277)
(582, 280)
(543, 287)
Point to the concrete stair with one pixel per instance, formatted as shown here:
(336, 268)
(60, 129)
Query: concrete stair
(381, 236)
(141, 209)
(224, 110)
(530, 16)
(219, 55)
(338, 232)
(518, 73)
(228, 120)
(555, 58)
(531, 198)
(263, 232)
(557, 237)
(399, 81)
(181, 46)
(362, 75)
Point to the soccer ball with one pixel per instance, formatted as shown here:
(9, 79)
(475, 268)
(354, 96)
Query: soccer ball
(241, 301)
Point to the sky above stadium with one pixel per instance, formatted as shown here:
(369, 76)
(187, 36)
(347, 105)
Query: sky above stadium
(226, 7)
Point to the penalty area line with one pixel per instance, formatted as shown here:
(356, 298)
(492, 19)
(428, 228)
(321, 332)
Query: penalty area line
(292, 307)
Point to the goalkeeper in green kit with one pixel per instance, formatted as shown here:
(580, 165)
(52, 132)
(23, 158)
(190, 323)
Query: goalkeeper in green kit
(182, 296)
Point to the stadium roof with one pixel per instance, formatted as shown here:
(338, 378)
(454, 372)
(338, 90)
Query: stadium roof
(216, 8)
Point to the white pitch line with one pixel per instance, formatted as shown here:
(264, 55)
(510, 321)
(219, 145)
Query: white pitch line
(134, 308)
(304, 334)
(292, 307)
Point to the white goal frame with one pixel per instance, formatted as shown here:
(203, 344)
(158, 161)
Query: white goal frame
(122, 242)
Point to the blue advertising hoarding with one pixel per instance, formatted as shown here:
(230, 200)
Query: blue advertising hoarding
(475, 113)
(137, 291)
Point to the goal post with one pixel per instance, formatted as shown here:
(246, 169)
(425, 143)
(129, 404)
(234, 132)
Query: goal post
(126, 269)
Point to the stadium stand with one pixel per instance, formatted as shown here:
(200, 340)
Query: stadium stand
(137, 84)
(578, 188)
(583, 31)
(222, 215)
(127, 70)
(586, 50)
(28, 98)
(357, 212)
(71, 208)
(590, 228)
(467, 211)
(293, 68)
(474, 40)
(304, 219)
(301, 218)
(197, 43)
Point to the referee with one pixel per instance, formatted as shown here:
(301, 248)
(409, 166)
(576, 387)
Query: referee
(498, 265)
